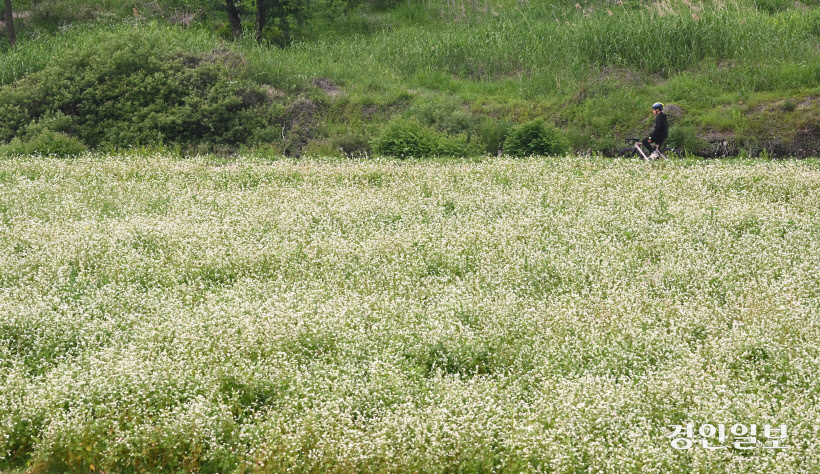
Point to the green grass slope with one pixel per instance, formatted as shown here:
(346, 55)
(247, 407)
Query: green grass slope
(740, 77)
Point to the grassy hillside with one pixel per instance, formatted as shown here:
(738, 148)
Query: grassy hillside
(743, 75)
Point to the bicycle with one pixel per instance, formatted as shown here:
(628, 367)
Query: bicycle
(635, 150)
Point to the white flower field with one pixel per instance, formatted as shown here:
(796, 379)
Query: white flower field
(538, 315)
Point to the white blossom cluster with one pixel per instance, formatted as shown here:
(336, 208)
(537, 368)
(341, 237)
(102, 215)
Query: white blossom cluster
(538, 315)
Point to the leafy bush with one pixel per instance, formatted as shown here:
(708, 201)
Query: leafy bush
(410, 138)
(685, 138)
(535, 138)
(46, 142)
(132, 88)
(404, 138)
(492, 133)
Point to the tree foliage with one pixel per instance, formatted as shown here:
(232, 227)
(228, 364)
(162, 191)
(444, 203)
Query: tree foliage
(280, 22)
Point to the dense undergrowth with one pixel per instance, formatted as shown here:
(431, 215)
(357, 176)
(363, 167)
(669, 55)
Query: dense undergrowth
(452, 77)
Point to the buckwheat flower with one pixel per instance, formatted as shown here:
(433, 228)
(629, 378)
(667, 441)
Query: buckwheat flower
(309, 315)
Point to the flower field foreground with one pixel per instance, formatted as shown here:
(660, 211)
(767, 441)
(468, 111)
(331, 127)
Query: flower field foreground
(512, 315)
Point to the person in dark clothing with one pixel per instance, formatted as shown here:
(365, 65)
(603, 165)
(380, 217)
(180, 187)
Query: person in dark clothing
(659, 133)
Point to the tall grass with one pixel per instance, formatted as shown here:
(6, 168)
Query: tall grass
(531, 43)
(545, 54)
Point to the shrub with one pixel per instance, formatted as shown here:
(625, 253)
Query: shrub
(492, 133)
(383, 4)
(457, 145)
(46, 142)
(410, 138)
(685, 139)
(404, 138)
(129, 87)
(535, 138)
(323, 148)
(607, 145)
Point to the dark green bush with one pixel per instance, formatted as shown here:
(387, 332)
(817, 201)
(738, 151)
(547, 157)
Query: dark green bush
(535, 138)
(410, 138)
(406, 138)
(46, 142)
(131, 88)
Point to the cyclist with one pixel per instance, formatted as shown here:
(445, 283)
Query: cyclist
(659, 133)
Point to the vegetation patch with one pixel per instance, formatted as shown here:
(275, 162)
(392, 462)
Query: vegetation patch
(536, 138)
(322, 77)
(132, 89)
(323, 317)
(410, 138)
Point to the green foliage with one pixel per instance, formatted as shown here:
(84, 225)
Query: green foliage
(132, 88)
(352, 144)
(464, 69)
(685, 139)
(465, 361)
(321, 148)
(384, 4)
(445, 114)
(789, 106)
(405, 138)
(492, 133)
(49, 135)
(535, 138)
(46, 142)
(284, 17)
